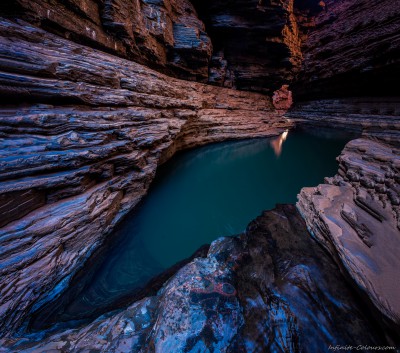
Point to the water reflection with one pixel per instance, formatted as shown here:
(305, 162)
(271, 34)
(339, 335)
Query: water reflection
(277, 143)
(199, 195)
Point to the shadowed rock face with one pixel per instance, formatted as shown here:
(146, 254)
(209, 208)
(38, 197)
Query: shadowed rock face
(351, 68)
(353, 49)
(348, 80)
(356, 217)
(270, 289)
(163, 34)
(256, 44)
(82, 133)
(249, 45)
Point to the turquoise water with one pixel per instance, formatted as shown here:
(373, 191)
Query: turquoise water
(203, 194)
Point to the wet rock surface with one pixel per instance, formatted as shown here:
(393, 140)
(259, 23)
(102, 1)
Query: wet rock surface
(270, 289)
(82, 133)
(356, 217)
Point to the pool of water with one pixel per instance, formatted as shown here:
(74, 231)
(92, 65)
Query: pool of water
(203, 194)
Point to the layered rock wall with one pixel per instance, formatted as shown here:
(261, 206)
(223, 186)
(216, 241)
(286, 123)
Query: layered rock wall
(348, 81)
(351, 68)
(374, 117)
(82, 133)
(356, 217)
(249, 45)
(163, 34)
(353, 49)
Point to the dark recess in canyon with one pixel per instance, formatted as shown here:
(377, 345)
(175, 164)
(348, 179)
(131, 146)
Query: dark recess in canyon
(96, 94)
(256, 44)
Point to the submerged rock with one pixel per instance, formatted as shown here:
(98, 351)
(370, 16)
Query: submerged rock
(272, 289)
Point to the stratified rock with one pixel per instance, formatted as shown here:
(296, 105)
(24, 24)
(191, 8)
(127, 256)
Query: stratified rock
(353, 49)
(81, 135)
(272, 289)
(356, 217)
(165, 34)
(351, 67)
(376, 117)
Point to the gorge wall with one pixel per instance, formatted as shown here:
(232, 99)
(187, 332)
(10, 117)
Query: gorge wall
(348, 80)
(256, 44)
(356, 216)
(352, 49)
(82, 135)
(351, 67)
(248, 45)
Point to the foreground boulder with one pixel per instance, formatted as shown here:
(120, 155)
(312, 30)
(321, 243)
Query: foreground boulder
(272, 289)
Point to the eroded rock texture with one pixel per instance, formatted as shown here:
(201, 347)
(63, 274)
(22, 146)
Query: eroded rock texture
(249, 45)
(165, 34)
(272, 289)
(352, 49)
(356, 216)
(82, 133)
(351, 68)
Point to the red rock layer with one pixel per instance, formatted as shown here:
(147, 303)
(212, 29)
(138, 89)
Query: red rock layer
(164, 34)
(81, 137)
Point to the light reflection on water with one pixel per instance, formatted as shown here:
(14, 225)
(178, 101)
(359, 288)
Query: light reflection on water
(277, 143)
(200, 195)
